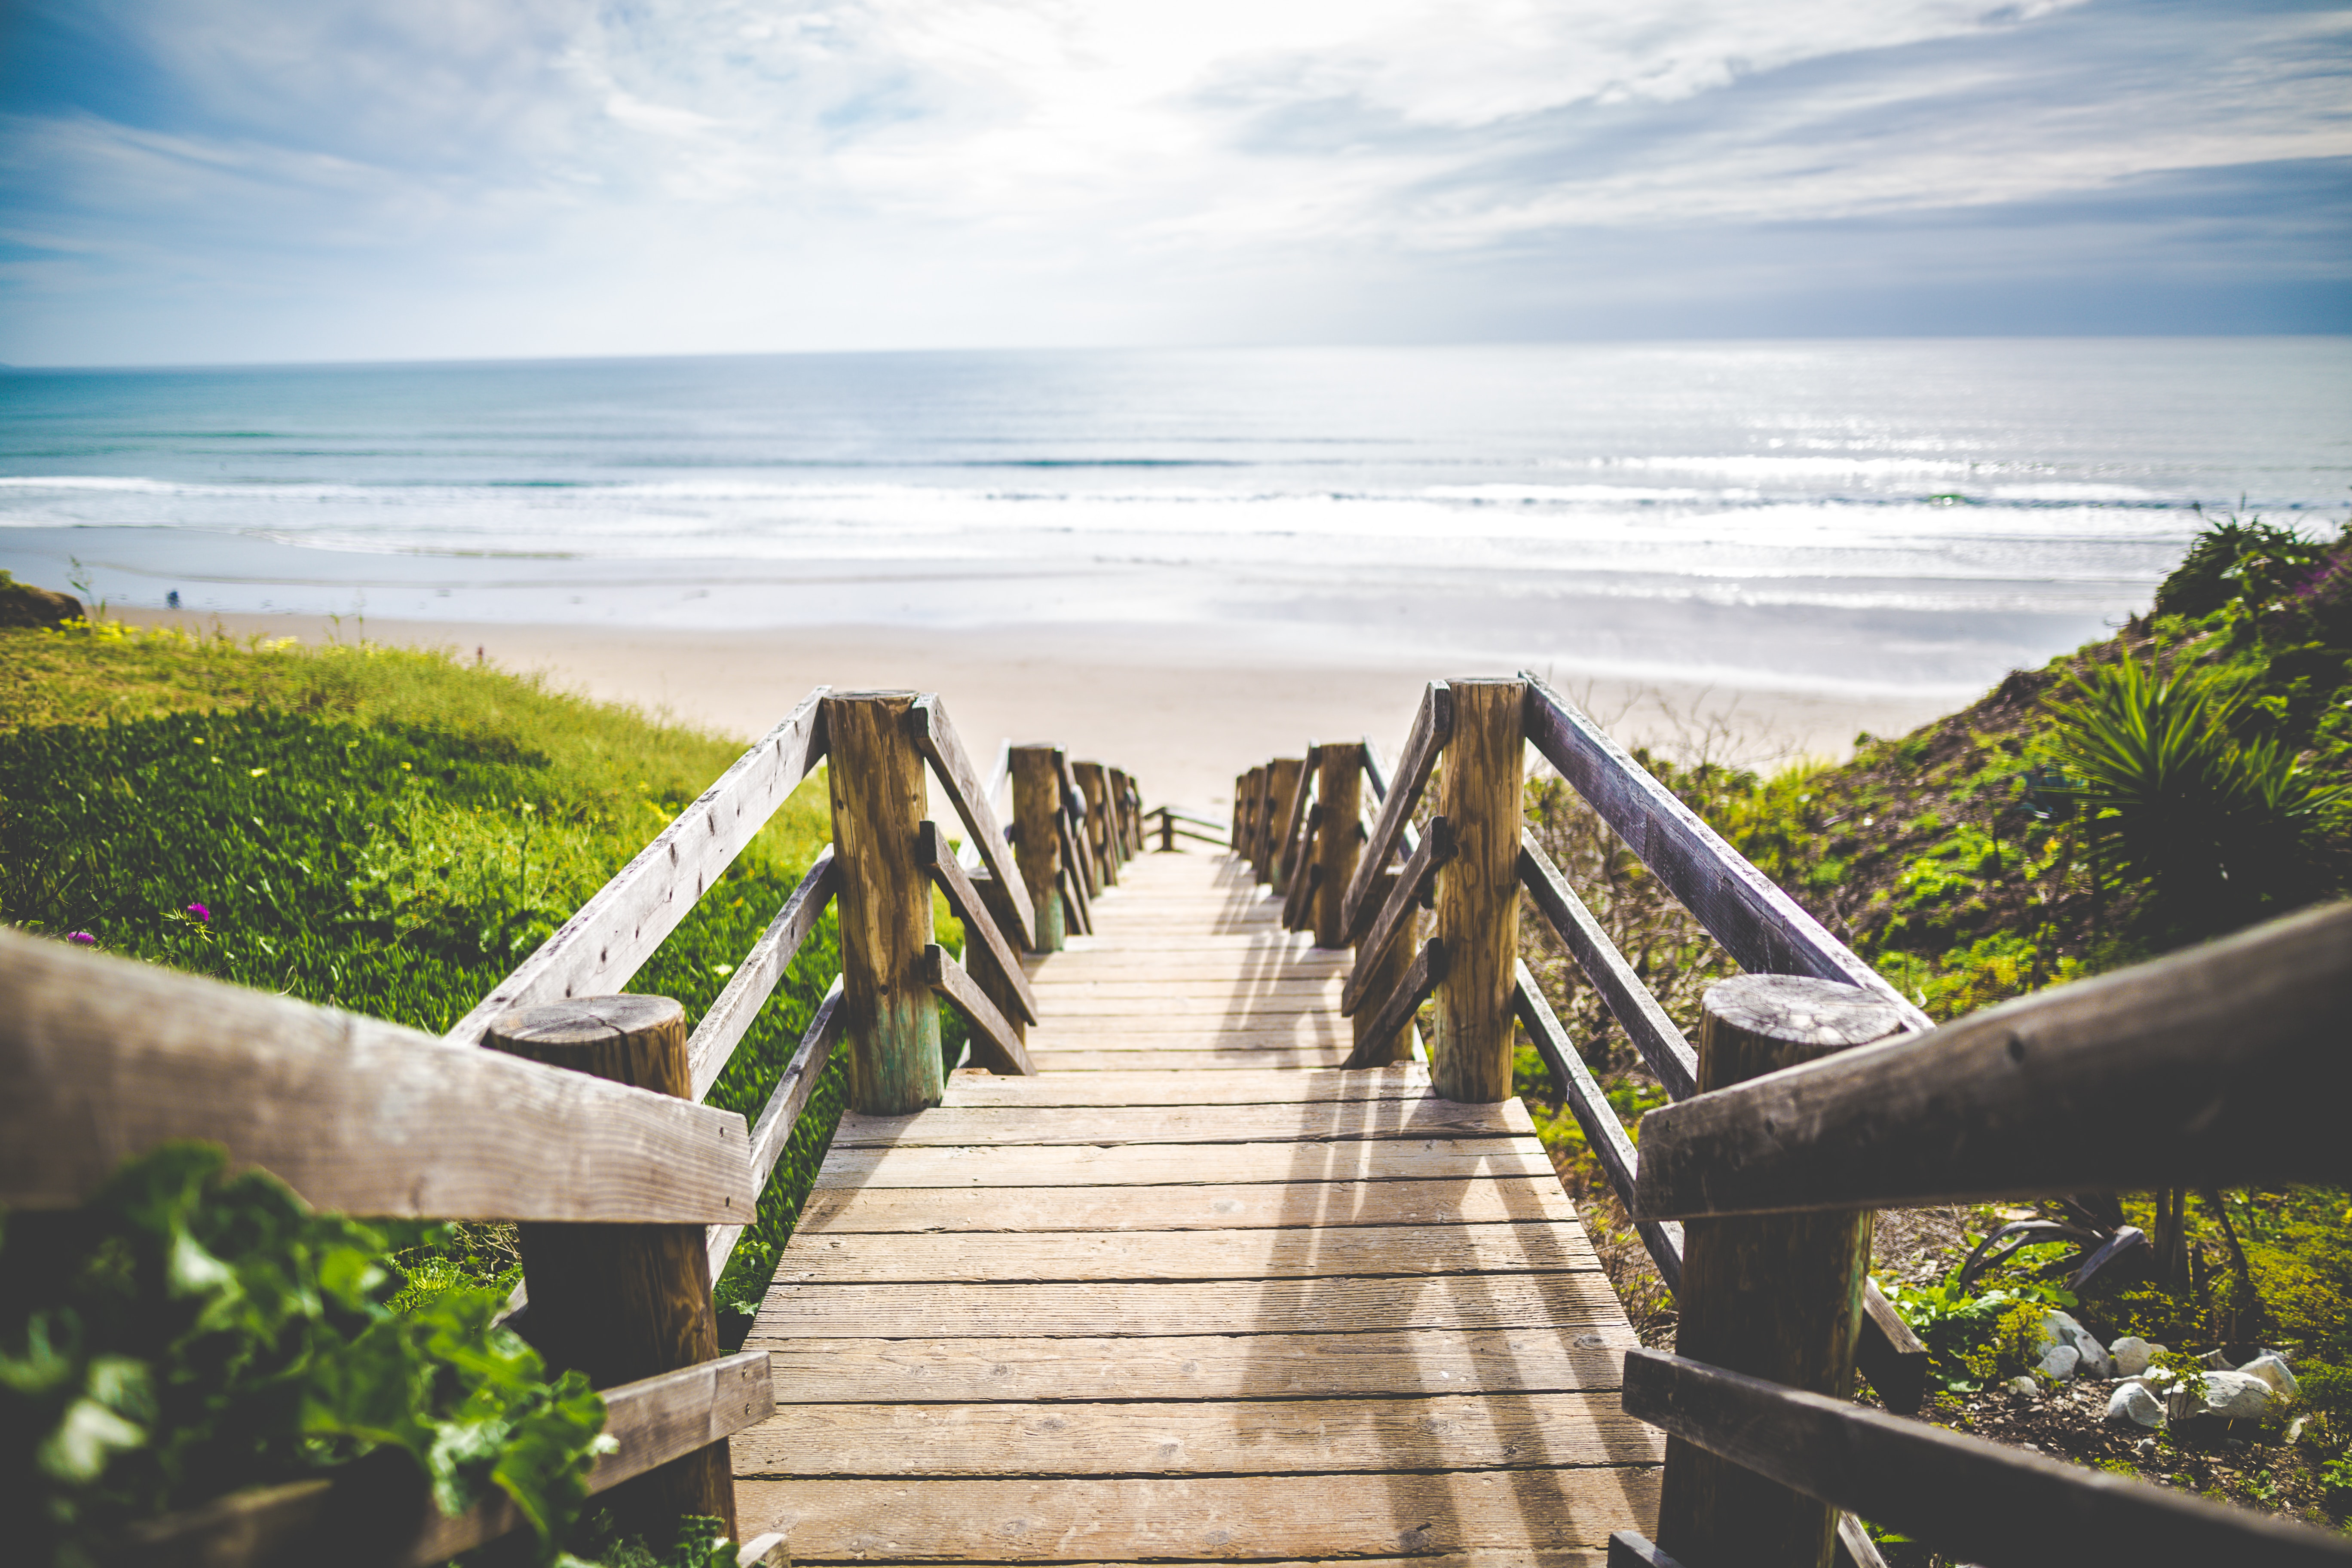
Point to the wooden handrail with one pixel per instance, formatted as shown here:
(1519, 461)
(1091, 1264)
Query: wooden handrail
(2131, 1080)
(996, 1046)
(1629, 1001)
(1288, 848)
(964, 899)
(1759, 924)
(1411, 889)
(610, 937)
(755, 979)
(1968, 1498)
(935, 736)
(105, 1058)
(1433, 724)
(1427, 971)
(783, 1113)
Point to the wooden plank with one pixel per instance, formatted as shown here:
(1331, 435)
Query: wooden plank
(1603, 1133)
(1290, 849)
(105, 1058)
(1077, 841)
(1077, 897)
(995, 1046)
(1283, 1436)
(1577, 1302)
(1200, 1366)
(1073, 1006)
(972, 1091)
(1762, 926)
(1426, 972)
(1302, 1252)
(1185, 1164)
(1629, 1001)
(978, 924)
(1052, 1061)
(845, 1210)
(755, 979)
(1211, 1519)
(2128, 1082)
(1431, 725)
(1286, 1031)
(1405, 896)
(610, 936)
(935, 736)
(783, 1113)
(1966, 1497)
(1424, 1116)
(1131, 986)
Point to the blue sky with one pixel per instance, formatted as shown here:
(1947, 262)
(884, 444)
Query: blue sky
(266, 180)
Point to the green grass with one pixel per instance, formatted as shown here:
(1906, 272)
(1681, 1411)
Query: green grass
(386, 830)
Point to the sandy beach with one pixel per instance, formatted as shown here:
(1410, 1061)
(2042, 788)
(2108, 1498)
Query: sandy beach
(1183, 713)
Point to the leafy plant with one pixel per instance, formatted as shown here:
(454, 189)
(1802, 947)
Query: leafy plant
(1973, 1340)
(187, 1332)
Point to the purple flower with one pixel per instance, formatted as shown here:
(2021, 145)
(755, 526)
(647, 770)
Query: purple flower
(83, 938)
(202, 914)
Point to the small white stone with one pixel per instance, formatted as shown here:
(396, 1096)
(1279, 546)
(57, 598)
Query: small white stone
(2022, 1384)
(2270, 1369)
(2059, 1361)
(2131, 1402)
(2131, 1354)
(2235, 1396)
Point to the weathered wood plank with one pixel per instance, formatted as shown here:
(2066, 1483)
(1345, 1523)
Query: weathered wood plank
(722, 1028)
(1964, 1497)
(972, 1091)
(979, 924)
(995, 1046)
(1762, 926)
(1629, 1001)
(105, 1058)
(1282, 1031)
(1405, 895)
(1206, 1519)
(1302, 1252)
(1425, 974)
(596, 950)
(935, 736)
(1217, 1206)
(1303, 1122)
(1186, 1164)
(1432, 724)
(1283, 1436)
(1200, 1366)
(1194, 1004)
(1120, 1060)
(2127, 1081)
(1129, 989)
(783, 1113)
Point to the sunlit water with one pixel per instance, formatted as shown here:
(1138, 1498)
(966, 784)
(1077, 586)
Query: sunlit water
(1884, 515)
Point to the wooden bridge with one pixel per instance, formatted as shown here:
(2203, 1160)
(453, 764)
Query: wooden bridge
(1207, 1255)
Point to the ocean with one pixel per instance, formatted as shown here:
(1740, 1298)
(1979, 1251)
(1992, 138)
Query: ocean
(1861, 516)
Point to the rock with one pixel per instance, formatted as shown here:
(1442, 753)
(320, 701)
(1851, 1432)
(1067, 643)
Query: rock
(2132, 1355)
(2059, 1361)
(2131, 1402)
(2091, 1357)
(2215, 1361)
(2022, 1384)
(2271, 1367)
(22, 604)
(2235, 1396)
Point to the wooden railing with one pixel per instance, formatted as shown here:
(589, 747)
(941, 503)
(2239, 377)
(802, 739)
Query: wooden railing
(583, 1125)
(1753, 1198)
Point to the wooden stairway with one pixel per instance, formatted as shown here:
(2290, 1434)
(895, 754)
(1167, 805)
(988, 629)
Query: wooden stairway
(1189, 1295)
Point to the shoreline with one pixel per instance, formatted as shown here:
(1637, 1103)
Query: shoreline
(1180, 712)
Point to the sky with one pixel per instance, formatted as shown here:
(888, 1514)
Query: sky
(225, 181)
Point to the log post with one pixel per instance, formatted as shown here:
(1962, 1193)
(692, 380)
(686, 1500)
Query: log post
(1286, 777)
(1478, 891)
(890, 1016)
(1168, 830)
(1339, 788)
(1253, 816)
(1122, 812)
(1101, 825)
(1776, 1296)
(621, 1303)
(1037, 843)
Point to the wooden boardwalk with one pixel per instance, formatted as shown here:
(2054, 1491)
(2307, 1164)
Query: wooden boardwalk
(1174, 1299)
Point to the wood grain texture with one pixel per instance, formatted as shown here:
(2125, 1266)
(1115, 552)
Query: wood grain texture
(1305, 1437)
(1036, 845)
(1401, 901)
(1284, 785)
(1421, 978)
(979, 924)
(2125, 1082)
(1295, 837)
(1762, 926)
(1966, 1497)
(790, 1096)
(1629, 1001)
(1077, 843)
(993, 1042)
(105, 1058)
(1339, 789)
(610, 936)
(934, 734)
(1214, 1205)
(1203, 1367)
(970, 1092)
(1380, 970)
(1478, 917)
(1209, 1519)
(1433, 726)
(712, 1045)
(1312, 1121)
(889, 1021)
(1301, 1252)
(1185, 1164)
(1102, 838)
(1120, 1060)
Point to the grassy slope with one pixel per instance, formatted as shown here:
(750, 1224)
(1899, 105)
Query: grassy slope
(381, 829)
